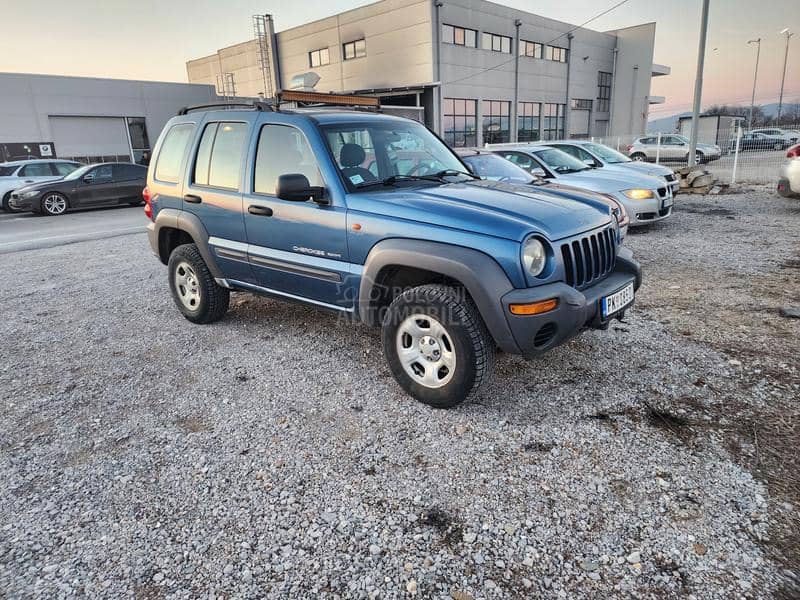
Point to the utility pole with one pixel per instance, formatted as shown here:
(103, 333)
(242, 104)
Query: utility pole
(788, 34)
(755, 76)
(698, 83)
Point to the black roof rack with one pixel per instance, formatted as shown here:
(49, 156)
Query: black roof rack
(309, 99)
(260, 105)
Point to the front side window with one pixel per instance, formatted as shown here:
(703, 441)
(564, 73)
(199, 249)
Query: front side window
(36, 170)
(318, 58)
(283, 150)
(496, 43)
(101, 174)
(530, 49)
(528, 121)
(460, 122)
(496, 121)
(172, 151)
(556, 54)
(368, 153)
(355, 49)
(219, 156)
(553, 121)
(460, 36)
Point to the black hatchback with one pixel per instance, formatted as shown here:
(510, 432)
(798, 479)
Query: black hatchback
(91, 186)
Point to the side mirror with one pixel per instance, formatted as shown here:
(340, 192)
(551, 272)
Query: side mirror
(538, 172)
(295, 187)
(589, 162)
(88, 178)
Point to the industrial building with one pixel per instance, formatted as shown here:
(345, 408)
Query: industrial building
(88, 119)
(472, 70)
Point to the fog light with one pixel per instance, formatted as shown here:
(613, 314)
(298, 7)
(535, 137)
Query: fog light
(534, 308)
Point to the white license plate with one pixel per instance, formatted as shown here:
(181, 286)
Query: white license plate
(617, 301)
(667, 202)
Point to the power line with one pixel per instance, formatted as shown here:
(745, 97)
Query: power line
(513, 58)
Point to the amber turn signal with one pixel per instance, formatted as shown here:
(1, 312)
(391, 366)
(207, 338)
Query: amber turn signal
(534, 308)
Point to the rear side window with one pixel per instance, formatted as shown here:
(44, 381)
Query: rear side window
(63, 168)
(283, 150)
(219, 156)
(36, 170)
(129, 172)
(172, 150)
(7, 171)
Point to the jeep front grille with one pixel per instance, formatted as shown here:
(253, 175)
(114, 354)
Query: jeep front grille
(590, 258)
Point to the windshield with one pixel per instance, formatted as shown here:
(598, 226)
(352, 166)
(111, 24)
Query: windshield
(78, 173)
(608, 155)
(560, 162)
(8, 171)
(683, 138)
(496, 168)
(369, 153)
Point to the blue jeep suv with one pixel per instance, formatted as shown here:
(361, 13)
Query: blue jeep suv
(374, 217)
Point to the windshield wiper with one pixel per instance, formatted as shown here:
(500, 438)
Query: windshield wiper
(451, 172)
(435, 177)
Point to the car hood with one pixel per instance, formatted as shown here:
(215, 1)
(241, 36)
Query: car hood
(701, 146)
(43, 185)
(510, 211)
(640, 167)
(610, 181)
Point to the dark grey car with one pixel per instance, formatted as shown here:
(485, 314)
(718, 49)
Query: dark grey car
(88, 187)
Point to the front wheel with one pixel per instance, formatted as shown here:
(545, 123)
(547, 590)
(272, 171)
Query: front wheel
(54, 204)
(196, 294)
(638, 157)
(437, 345)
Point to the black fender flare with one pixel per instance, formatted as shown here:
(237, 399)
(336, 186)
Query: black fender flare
(479, 273)
(191, 224)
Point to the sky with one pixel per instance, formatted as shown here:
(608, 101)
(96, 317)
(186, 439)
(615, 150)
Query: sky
(153, 39)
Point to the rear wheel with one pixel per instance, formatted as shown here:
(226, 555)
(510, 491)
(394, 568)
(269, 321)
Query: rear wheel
(638, 157)
(54, 204)
(196, 294)
(437, 345)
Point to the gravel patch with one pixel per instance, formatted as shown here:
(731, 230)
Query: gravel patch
(272, 454)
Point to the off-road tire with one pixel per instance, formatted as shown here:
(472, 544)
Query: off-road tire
(214, 299)
(474, 346)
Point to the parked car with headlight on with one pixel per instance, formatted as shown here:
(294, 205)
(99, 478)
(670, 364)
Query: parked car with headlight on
(90, 186)
(489, 166)
(789, 179)
(647, 199)
(19, 173)
(599, 156)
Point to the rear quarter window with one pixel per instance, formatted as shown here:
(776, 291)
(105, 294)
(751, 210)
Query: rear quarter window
(168, 162)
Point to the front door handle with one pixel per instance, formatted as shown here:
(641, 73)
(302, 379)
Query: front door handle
(192, 199)
(263, 211)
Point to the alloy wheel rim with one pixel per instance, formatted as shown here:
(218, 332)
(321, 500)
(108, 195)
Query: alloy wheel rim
(187, 286)
(55, 204)
(426, 351)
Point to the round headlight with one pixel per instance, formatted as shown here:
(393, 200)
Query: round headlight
(534, 257)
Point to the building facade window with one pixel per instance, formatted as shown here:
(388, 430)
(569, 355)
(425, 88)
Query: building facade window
(556, 54)
(553, 122)
(580, 104)
(140, 143)
(318, 58)
(460, 36)
(460, 122)
(603, 91)
(496, 43)
(528, 121)
(496, 121)
(531, 49)
(356, 49)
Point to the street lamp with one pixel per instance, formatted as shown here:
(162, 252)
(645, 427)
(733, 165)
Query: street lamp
(788, 34)
(755, 76)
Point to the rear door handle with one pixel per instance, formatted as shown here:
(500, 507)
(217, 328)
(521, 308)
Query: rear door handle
(192, 199)
(263, 211)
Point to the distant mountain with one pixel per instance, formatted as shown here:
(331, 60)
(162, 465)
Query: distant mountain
(667, 124)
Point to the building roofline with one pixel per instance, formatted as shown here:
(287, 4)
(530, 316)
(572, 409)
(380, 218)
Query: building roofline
(653, 23)
(56, 76)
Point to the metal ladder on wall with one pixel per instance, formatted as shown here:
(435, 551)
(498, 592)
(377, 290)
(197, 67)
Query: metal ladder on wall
(260, 30)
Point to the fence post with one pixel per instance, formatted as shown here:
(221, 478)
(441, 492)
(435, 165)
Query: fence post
(658, 149)
(617, 143)
(736, 155)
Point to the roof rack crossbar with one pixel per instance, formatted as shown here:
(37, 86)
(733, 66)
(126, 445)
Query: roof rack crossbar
(260, 105)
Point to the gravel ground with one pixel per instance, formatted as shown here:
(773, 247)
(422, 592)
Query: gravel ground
(272, 454)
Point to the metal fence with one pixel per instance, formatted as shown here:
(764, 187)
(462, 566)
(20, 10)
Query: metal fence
(746, 156)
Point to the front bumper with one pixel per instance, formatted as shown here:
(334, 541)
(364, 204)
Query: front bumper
(644, 212)
(576, 310)
(17, 203)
